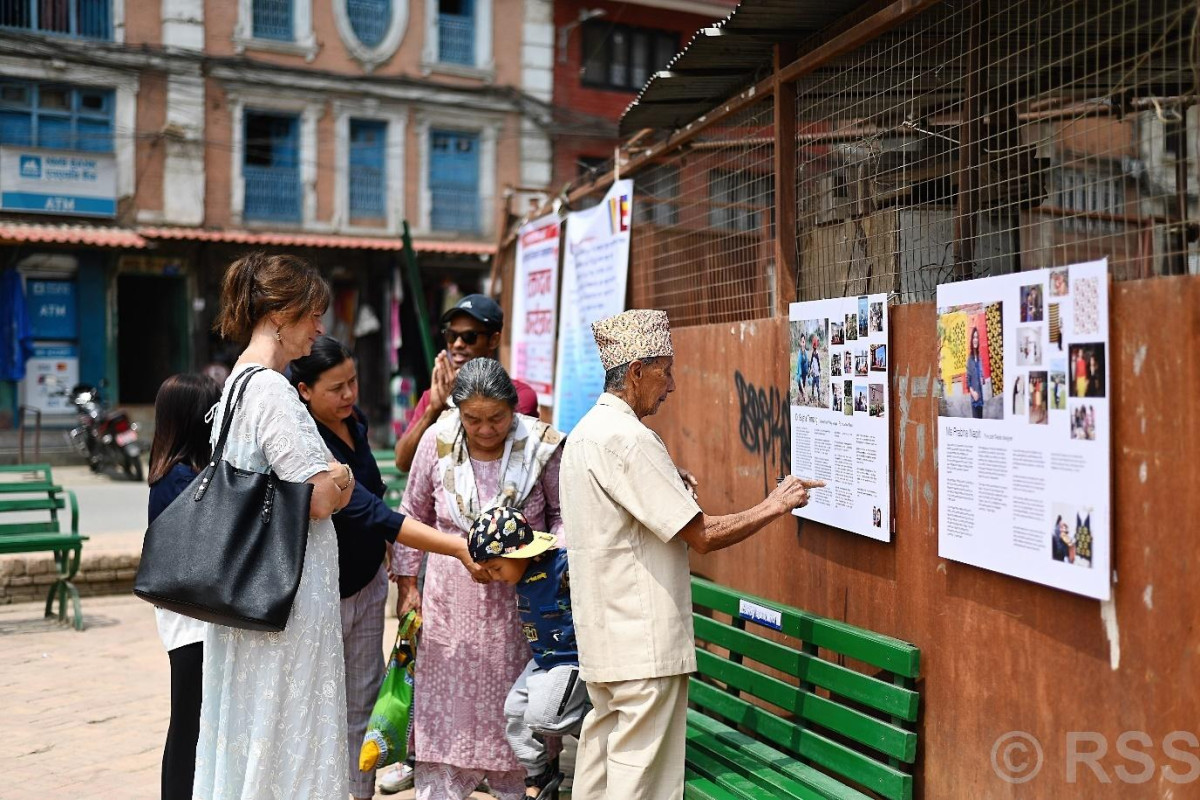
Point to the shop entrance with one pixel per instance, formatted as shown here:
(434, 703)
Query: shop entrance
(152, 334)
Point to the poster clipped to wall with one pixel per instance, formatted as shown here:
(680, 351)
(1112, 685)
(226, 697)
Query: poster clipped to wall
(535, 305)
(1023, 426)
(595, 271)
(838, 381)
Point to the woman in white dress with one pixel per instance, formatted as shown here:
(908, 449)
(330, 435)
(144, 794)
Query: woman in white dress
(273, 718)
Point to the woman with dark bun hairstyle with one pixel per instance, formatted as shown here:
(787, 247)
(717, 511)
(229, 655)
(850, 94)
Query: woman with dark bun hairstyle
(273, 717)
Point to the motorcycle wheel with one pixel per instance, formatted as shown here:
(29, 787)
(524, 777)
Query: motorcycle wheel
(133, 468)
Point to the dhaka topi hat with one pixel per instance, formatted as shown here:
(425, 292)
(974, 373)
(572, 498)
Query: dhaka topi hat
(637, 334)
(505, 533)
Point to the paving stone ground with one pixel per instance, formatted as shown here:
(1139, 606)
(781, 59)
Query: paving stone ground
(83, 714)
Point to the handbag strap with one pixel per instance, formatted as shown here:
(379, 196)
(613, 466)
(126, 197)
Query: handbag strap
(232, 401)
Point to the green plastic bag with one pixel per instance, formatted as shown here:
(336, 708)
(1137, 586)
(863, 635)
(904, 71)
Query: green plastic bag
(386, 741)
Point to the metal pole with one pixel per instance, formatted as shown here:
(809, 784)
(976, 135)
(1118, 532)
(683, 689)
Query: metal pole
(418, 295)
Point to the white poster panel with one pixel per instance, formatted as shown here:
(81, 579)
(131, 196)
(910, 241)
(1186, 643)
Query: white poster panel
(535, 305)
(595, 270)
(838, 377)
(1023, 426)
(49, 376)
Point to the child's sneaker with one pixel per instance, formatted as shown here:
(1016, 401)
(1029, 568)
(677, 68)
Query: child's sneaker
(397, 780)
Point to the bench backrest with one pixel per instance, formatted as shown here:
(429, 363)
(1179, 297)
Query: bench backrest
(26, 489)
(856, 725)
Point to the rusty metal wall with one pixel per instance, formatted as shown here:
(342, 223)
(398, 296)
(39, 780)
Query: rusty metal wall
(999, 654)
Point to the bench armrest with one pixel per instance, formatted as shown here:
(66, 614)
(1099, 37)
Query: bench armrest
(74, 511)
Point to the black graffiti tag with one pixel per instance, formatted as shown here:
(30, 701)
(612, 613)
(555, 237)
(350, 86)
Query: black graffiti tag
(764, 426)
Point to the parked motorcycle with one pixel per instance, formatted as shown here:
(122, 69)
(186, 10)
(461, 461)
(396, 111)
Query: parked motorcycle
(107, 437)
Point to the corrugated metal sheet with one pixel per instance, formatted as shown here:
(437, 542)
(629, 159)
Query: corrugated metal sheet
(722, 59)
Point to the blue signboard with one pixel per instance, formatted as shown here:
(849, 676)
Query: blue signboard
(58, 182)
(51, 308)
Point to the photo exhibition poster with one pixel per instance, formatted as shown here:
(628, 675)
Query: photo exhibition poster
(1023, 426)
(838, 386)
(535, 305)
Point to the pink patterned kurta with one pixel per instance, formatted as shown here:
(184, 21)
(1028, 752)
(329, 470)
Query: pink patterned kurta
(472, 648)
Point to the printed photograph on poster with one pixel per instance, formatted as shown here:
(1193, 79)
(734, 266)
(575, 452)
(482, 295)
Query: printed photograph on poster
(1039, 413)
(810, 355)
(1024, 426)
(877, 317)
(971, 359)
(875, 403)
(1018, 396)
(837, 369)
(1071, 536)
(1087, 362)
(1058, 385)
(1029, 347)
(878, 357)
(1083, 421)
(1031, 303)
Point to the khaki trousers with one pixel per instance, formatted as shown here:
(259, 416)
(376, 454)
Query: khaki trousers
(632, 744)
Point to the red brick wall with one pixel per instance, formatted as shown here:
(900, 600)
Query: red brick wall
(150, 151)
(571, 95)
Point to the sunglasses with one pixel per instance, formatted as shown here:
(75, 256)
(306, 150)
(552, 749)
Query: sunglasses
(469, 337)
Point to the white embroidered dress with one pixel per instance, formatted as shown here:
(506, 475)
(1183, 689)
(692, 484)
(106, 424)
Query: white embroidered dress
(273, 718)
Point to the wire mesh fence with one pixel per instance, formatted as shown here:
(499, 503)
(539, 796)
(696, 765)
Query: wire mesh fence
(991, 137)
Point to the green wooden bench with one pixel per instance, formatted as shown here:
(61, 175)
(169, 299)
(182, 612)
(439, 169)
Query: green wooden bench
(393, 478)
(30, 489)
(822, 731)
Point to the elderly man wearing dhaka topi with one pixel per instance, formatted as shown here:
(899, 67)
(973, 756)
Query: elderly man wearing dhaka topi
(630, 519)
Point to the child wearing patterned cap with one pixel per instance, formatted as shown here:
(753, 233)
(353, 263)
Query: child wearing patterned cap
(548, 699)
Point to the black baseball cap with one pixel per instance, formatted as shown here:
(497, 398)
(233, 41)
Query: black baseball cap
(480, 307)
(505, 533)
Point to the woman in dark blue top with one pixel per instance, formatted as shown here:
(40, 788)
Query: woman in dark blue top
(180, 450)
(327, 381)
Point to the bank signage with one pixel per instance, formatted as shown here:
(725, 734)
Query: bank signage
(34, 180)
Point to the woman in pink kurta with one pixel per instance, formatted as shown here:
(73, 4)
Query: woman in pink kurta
(472, 648)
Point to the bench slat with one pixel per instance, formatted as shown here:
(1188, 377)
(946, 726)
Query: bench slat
(882, 736)
(885, 697)
(698, 788)
(20, 528)
(22, 543)
(33, 504)
(735, 783)
(758, 772)
(881, 651)
(891, 783)
(814, 779)
(29, 487)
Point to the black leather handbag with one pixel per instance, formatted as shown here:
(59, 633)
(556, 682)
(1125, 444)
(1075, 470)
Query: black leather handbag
(229, 549)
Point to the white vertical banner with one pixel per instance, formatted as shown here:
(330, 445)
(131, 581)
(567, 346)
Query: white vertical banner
(595, 272)
(838, 378)
(535, 305)
(1023, 426)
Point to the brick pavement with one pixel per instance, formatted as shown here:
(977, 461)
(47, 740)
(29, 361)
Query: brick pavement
(84, 713)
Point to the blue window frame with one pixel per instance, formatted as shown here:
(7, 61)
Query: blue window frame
(271, 167)
(456, 32)
(89, 19)
(272, 19)
(368, 169)
(57, 116)
(370, 19)
(454, 181)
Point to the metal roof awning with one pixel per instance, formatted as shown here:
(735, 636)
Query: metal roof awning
(720, 60)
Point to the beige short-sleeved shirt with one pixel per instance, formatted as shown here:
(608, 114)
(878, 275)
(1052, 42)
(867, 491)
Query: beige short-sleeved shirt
(623, 503)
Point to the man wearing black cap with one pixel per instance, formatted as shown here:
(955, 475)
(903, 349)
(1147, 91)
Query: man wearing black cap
(471, 330)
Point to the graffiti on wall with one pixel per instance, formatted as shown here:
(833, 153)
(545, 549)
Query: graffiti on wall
(764, 427)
